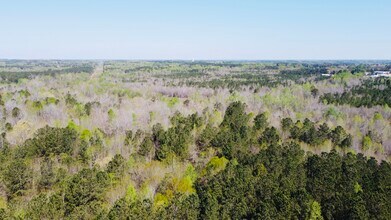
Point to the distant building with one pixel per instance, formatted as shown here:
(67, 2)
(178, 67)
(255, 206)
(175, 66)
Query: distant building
(379, 74)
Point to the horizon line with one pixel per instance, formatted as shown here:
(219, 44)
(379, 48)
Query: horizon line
(194, 60)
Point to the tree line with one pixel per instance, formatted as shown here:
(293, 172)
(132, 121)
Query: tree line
(255, 173)
(369, 93)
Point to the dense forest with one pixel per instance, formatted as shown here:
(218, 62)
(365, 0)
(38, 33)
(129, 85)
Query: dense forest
(194, 140)
(23, 70)
(369, 93)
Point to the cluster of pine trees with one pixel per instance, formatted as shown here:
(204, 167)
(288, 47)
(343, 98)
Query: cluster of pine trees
(254, 173)
(369, 93)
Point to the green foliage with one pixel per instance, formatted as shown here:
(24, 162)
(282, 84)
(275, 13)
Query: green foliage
(286, 124)
(85, 135)
(87, 108)
(8, 126)
(177, 138)
(24, 93)
(116, 166)
(377, 116)
(171, 102)
(340, 138)
(161, 200)
(15, 112)
(206, 136)
(83, 152)
(97, 137)
(47, 174)
(209, 165)
(60, 67)
(51, 100)
(85, 187)
(308, 132)
(74, 126)
(3, 213)
(332, 112)
(315, 211)
(269, 136)
(185, 185)
(49, 140)
(70, 100)
(79, 110)
(181, 207)
(126, 93)
(37, 105)
(131, 194)
(369, 93)
(366, 143)
(214, 166)
(260, 121)
(343, 76)
(1, 100)
(146, 147)
(191, 173)
(111, 114)
(234, 131)
(92, 210)
(123, 209)
(238, 193)
(45, 207)
(235, 117)
(128, 137)
(314, 91)
(341, 185)
(17, 177)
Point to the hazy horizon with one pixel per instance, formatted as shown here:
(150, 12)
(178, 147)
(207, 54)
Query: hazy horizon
(202, 30)
(201, 60)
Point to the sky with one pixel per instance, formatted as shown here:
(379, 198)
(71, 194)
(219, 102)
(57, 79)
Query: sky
(195, 29)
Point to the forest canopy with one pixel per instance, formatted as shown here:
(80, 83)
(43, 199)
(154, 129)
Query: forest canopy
(194, 140)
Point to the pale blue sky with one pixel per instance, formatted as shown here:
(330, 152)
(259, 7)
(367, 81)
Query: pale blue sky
(199, 29)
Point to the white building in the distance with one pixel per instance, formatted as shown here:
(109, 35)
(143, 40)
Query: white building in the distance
(379, 74)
